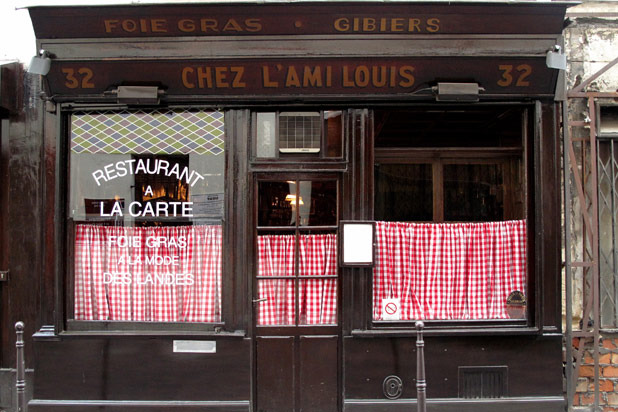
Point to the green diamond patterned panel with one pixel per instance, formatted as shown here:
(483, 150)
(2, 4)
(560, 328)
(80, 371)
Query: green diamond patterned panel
(153, 132)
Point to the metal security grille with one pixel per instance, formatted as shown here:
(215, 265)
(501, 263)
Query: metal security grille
(608, 230)
(299, 132)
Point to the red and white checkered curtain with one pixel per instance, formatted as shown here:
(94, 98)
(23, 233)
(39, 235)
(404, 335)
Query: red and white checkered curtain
(159, 274)
(449, 270)
(317, 297)
(276, 259)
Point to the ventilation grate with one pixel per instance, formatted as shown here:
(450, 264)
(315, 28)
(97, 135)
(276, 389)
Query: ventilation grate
(482, 381)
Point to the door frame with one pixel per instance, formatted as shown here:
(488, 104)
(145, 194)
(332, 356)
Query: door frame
(300, 334)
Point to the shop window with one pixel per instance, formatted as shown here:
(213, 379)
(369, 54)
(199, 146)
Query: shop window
(145, 211)
(292, 134)
(450, 210)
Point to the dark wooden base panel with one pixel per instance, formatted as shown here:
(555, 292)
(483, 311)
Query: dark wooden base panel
(455, 365)
(541, 404)
(142, 373)
(302, 376)
(140, 369)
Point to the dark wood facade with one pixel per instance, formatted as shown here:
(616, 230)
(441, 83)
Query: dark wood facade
(21, 245)
(366, 60)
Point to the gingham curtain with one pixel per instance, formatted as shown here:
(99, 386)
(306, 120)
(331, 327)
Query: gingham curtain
(317, 297)
(276, 259)
(187, 290)
(449, 270)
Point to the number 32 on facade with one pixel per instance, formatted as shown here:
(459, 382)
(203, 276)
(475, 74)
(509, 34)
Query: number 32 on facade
(78, 78)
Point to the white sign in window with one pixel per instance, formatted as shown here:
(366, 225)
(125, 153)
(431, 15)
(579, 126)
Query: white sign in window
(357, 243)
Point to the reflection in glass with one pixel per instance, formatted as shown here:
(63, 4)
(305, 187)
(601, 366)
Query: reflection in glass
(313, 202)
(266, 135)
(323, 205)
(404, 192)
(473, 192)
(608, 229)
(334, 133)
(276, 207)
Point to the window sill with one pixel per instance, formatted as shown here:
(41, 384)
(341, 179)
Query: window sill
(493, 330)
(148, 333)
(105, 328)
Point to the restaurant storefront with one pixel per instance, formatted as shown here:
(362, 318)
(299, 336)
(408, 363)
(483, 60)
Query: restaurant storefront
(207, 158)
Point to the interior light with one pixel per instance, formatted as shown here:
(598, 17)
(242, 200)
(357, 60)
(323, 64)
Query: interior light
(292, 199)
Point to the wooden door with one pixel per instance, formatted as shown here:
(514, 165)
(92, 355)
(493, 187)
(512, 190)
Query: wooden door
(296, 294)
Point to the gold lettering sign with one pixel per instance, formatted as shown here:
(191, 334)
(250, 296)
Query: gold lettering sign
(213, 77)
(78, 78)
(514, 75)
(238, 25)
(300, 76)
(184, 25)
(386, 25)
(296, 18)
(252, 77)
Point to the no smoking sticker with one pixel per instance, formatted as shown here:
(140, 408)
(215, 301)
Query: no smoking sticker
(391, 309)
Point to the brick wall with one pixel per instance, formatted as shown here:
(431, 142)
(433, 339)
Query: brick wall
(608, 374)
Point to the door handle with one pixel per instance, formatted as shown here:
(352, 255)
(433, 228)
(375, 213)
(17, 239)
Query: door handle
(260, 300)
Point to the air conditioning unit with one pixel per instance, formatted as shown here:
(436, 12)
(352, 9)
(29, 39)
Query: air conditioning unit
(300, 132)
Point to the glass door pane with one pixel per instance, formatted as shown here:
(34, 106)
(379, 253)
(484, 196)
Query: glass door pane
(276, 260)
(297, 253)
(320, 202)
(277, 203)
(318, 279)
